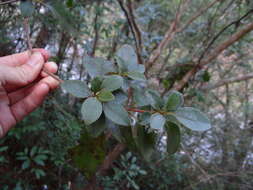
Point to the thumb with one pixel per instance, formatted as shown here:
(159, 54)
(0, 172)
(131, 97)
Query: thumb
(26, 73)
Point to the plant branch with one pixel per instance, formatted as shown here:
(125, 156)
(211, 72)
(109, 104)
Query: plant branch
(210, 57)
(168, 37)
(228, 81)
(136, 31)
(133, 27)
(237, 22)
(29, 45)
(8, 2)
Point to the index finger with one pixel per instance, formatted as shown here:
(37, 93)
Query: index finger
(21, 58)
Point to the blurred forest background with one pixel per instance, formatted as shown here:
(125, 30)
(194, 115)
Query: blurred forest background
(203, 48)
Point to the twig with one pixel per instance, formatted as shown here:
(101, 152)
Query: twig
(234, 38)
(27, 33)
(52, 75)
(168, 37)
(7, 2)
(29, 45)
(228, 81)
(133, 27)
(223, 30)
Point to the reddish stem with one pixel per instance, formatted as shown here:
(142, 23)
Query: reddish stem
(137, 110)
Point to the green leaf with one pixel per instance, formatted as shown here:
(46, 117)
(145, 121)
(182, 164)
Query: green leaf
(96, 84)
(114, 129)
(155, 100)
(173, 137)
(98, 66)
(136, 76)
(26, 164)
(140, 97)
(127, 59)
(4, 148)
(116, 113)
(26, 8)
(97, 128)
(146, 142)
(77, 88)
(89, 154)
(39, 161)
(64, 17)
(91, 110)
(69, 3)
(112, 83)
(105, 96)
(157, 121)
(174, 101)
(39, 173)
(193, 119)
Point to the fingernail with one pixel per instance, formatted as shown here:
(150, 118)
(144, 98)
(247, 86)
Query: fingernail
(36, 57)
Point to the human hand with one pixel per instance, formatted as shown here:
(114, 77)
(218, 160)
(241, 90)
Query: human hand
(23, 85)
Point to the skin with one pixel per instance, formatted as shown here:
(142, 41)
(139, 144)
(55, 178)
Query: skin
(23, 85)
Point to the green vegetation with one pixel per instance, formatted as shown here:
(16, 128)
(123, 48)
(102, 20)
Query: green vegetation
(135, 76)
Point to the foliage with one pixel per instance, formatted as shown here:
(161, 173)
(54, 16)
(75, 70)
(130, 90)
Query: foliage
(113, 94)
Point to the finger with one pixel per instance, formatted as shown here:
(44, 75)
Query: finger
(20, 94)
(21, 58)
(6, 117)
(30, 102)
(51, 67)
(15, 77)
(7, 120)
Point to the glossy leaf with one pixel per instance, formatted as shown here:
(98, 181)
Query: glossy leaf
(112, 83)
(105, 96)
(173, 137)
(77, 88)
(193, 119)
(157, 121)
(91, 110)
(116, 113)
(174, 101)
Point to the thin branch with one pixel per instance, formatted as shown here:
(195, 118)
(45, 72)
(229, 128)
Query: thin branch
(228, 81)
(234, 38)
(29, 45)
(165, 41)
(171, 33)
(96, 36)
(136, 31)
(237, 22)
(136, 34)
(8, 2)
